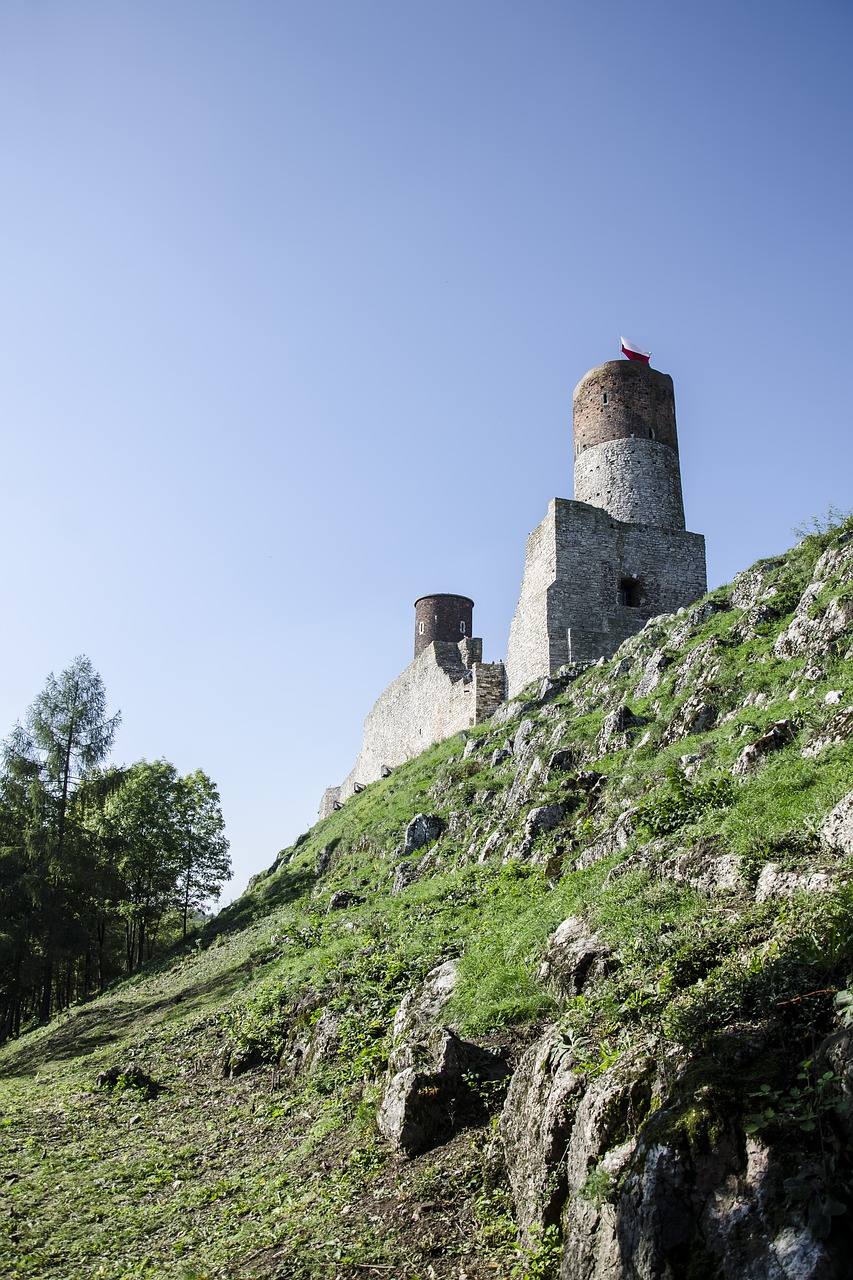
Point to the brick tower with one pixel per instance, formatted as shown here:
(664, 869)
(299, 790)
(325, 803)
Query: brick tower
(442, 617)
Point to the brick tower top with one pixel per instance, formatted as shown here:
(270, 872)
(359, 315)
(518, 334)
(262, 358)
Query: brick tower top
(626, 444)
(442, 617)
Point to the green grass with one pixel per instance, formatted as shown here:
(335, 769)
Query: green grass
(270, 1173)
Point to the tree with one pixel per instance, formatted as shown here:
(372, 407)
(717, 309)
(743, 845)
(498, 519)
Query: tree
(66, 735)
(139, 829)
(205, 864)
(163, 835)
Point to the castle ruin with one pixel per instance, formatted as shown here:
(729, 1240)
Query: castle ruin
(596, 569)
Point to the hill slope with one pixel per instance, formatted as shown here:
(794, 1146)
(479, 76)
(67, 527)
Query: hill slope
(618, 942)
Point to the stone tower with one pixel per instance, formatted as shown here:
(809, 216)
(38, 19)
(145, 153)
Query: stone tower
(597, 568)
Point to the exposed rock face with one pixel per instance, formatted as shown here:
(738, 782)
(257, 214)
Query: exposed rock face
(572, 955)
(615, 730)
(535, 1126)
(427, 1068)
(754, 586)
(543, 818)
(635, 1197)
(314, 1047)
(652, 673)
(775, 883)
(815, 626)
(421, 831)
(838, 730)
(777, 736)
(837, 830)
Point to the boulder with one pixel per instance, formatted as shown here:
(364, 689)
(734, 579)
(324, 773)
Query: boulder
(836, 832)
(776, 737)
(423, 829)
(341, 899)
(430, 1069)
(545, 817)
(572, 956)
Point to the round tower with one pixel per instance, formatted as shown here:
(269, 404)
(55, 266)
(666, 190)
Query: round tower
(442, 617)
(626, 445)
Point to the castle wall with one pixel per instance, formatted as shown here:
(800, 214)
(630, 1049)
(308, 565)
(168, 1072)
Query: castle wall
(445, 689)
(578, 562)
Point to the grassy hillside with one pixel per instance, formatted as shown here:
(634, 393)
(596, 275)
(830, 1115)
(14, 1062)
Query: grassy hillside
(253, 1152)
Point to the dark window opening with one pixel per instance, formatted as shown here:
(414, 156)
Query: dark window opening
(629, 592)
(605, 397)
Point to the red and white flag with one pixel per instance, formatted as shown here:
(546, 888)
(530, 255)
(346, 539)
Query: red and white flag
(633, 352)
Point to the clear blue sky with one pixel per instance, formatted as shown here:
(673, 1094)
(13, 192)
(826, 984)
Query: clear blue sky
(293, 297)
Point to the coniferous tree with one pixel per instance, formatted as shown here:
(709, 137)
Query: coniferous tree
(65, 736)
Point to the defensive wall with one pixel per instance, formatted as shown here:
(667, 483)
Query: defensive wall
(446, 688)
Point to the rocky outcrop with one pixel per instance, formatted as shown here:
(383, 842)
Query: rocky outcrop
(573, 955)
(836, 832)
(423, 829)
(644, 1183)
(431, 1070)
(776, 737)
(535, 1126)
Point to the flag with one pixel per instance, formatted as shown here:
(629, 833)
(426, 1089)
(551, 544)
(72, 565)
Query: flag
(633, 352)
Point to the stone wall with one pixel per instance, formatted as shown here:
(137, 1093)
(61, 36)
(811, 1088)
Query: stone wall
(445, 689)
(637, 481)
(579, 561)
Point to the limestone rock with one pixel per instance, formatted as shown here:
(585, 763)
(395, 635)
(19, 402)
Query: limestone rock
(523, 734)
(652, 673)
(836, 832)
(752, 585)
(421, 831)
(812, 635)
(839, 728)
(777, 736)
(405, 873)
(613, 838)
(775, 883)
(341, 899)
(543, 818)
(701, 666)
(572, 956)
(695, 715)
(562, 761)
(320, 1042)
(535, 1126)
(324, 859)
(614, 731)
(429, 1068)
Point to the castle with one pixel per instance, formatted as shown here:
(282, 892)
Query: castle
(596, 569)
